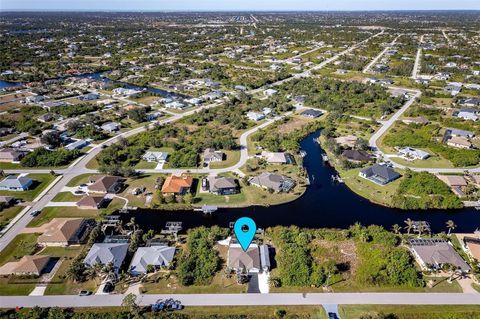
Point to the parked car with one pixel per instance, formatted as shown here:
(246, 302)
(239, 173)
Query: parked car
(168, 304)
(79, 192)
(108, 288)
(84, 293)
(35, 213)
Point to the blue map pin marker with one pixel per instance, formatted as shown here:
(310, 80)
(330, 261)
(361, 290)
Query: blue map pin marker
(245, 230)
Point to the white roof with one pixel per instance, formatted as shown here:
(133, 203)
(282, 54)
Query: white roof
(154, 255)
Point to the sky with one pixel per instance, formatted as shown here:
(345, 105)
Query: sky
(232, 5)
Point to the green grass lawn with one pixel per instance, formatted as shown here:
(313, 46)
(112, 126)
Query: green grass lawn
(21, 245)
(48, 213)
(145, 165)
(40, 182)
(231, 158)
(433, 161)
(411, 312)
(15, 289)
(7, 214)
(80, 179)
(5, 165)
(66, 197)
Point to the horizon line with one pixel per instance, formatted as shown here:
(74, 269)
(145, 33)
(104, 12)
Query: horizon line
(232, 10)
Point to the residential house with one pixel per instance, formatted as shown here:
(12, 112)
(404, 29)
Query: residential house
(410, 153)
(78, 144)
(106, 253)
(253, 116)
(11, 155)
(459, 133)
(89, 97)
(111, 127)
(379, 174)
(177, 185)
(15, 183)
(27, 265)
(222, 185)
(311, 113)
(159, 157)
(277, 183)
(34, 99)
(434, 253)
(47, 117)
(277, 157)
(467, 114)
(153, 256)
(356, 156)
(104, 184)
(471, 245)
(91, 202)
(211, 155)
(455, 182)
(256, 259)
(270, 92)
(469, 102)
(64, 232)
(459, 142)
(176, 105)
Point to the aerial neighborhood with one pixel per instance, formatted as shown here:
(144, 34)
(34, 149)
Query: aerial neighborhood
(131, 142)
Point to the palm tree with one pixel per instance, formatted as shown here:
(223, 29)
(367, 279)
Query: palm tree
(119, 227)
(450, 225)
(421, 228)
(396, 229)
(132, 224)
(409, 226)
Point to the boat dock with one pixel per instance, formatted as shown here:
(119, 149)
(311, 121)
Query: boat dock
(206, 209)
(337, 178)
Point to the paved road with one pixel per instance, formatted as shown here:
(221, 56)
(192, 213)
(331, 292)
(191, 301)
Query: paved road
(379, 56)
(250, 299)
(417, 65)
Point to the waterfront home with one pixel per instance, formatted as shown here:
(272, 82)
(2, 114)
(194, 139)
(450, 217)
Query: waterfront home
(111, 127)
(15, 183)
(63, 232)
(176, 105)
(432, 254)
(311, 113)
(379, 174)
(126, 92)
(27, 265)
(275, 182)
(471, 245)
(420, 120)
(222, 185)
(91, 202)
(456, 183)
(253, 116)
(10, 155)
(277, 157)
(104, 184)
(106, 253)
(348, 141)
(410, 153)
(159, 157)
(177, 185)
(356, 156)
(256, 259)
(153, 257)
(211, 155)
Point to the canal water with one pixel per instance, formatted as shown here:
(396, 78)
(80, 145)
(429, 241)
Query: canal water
(324, 204)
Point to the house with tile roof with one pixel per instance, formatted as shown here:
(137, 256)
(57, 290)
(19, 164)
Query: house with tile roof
(177, 185)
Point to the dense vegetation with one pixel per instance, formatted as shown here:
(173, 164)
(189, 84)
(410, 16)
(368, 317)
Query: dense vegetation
(345, 97)
(74, 110)
(423, 191)
(200, 261)
(42, 157)
(423, 137)
(382, 261)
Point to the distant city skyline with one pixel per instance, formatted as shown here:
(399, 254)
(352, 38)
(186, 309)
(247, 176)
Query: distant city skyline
(237, 5)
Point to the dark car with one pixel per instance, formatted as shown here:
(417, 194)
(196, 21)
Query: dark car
(79, 192)
(84, 293)
(108, 288)
(35, 213)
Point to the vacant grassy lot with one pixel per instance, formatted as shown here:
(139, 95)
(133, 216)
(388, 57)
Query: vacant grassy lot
(411, 312)
(18, 289)
(21, 245)
(40, 182)
(7, 214)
